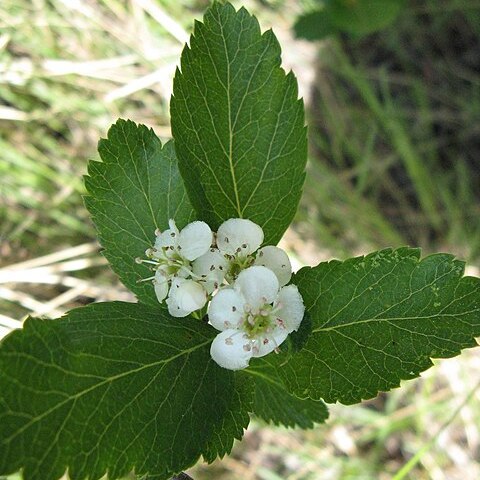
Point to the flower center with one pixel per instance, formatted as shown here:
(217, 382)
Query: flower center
(237, 263)
(259, 322)
(169, 261)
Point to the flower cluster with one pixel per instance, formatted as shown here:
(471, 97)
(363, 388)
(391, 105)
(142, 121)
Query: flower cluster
(246, 286)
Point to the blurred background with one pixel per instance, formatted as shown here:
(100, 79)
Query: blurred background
(392, 92)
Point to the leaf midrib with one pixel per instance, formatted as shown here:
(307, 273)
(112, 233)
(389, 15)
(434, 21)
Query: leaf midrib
(100, 384)
(230, 131)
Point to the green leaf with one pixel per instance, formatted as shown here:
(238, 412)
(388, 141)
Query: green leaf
(115, 387)
(274, 404)
(136, 189)
(299, 338)
(360, 17)
(238, 125)
(314, 25)
(357, 17)
(379, 319)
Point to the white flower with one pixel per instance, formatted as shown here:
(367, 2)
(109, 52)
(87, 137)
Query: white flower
(275, 259)
(255, 317)
(185, 297)
(181, 247)
(210, 269)
(172, 257)
(238, 239)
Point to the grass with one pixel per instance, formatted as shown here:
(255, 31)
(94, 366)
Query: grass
(396, 117)
(394, 160)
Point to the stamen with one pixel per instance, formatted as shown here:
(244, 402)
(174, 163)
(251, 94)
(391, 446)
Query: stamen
(142, 260)
(228, 341)
(247, 347)
(146, 279)
(189, 272)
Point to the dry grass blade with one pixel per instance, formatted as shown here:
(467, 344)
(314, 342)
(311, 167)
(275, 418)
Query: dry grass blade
(165, 20)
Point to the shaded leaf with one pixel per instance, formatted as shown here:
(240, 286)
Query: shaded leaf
(360, 17)
(357, 17)
(136, 189)
(274, 404)
(238, 125)
(314, 25)
(299, 338)
(380, 319)
(115, 387)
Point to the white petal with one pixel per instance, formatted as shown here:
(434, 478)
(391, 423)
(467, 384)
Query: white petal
(160, 284)
(231, 349)
(276, 260)
(168, 238)
(174, 309)
(211, 267)
(226, 309)
(195, 240)
(258, 285)
(269, 342)
(187, 295)
(239, 236)
(291, 309)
